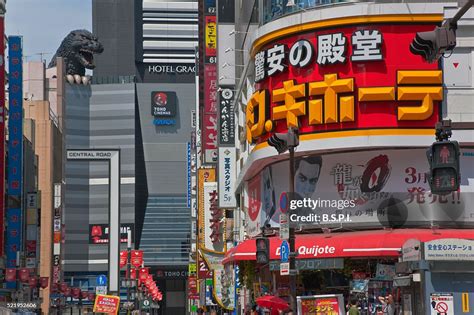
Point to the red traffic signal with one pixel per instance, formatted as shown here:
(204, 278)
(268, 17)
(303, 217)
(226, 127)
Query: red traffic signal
(444, 167)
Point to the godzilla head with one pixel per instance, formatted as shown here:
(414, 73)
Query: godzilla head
(84, 45)
(78, 49)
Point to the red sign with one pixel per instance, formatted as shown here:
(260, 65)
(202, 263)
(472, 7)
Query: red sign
(107, 304)
(192, 287)
(209, 129)
(136, 258)
(10, 274)
(24, 274)
(347, 78)
(123, 258)
(320, 306)
(33, 281)
(203, 270)
(44, 282)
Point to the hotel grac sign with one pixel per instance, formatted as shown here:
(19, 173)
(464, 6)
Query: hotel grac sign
(346, 78)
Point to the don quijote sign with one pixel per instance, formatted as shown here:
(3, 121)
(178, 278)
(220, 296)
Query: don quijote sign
(344, 78)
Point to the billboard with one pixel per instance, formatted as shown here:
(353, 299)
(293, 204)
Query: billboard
(347, 78)
(99, 233)
(15, 150)
(205, 175)
(368, 189)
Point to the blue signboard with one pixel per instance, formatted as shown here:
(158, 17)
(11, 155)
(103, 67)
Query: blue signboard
(284, 251)
(101, 280)
(15, 150)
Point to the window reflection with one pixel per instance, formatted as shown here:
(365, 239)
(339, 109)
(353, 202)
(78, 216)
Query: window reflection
(273, 9)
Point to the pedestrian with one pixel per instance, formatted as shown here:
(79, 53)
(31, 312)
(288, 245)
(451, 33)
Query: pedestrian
(388, 307)
(353, 309)
(200, 311)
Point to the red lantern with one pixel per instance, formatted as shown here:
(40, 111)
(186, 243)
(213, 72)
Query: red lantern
(132, 275)
(44, 282)
(84, 294)
(91, 296)
(76, 292)
(149, 280)
(33, 281)
(10, 274)
(123, 258)
(136, 258)
(142, 274)
(24, 275)
(63, 287)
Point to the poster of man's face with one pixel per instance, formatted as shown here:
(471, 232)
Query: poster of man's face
(307, 175)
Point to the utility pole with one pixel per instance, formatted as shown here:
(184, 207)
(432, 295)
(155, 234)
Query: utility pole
(288, 142)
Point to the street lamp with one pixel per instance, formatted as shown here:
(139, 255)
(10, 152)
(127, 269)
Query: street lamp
(283, 142)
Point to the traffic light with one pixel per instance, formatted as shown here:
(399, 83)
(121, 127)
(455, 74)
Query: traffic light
(432, 44)
(282, 141)
(263, 250)
(443, 157)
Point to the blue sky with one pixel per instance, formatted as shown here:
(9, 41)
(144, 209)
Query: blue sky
(44, 23)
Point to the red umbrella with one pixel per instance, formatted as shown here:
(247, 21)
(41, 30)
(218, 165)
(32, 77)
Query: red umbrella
(272, 302)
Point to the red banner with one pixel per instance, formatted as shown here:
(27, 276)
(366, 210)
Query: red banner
(123, 258)
(142, 274)
(345, 78)
(107, 304)
(136, 258)
(33, 281)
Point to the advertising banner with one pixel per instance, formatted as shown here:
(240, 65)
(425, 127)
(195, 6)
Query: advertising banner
(315, 81)
(223, 289)
(209, 128)
(362, 189)
(204, 175)
(214, 220)
(107, 304)
(15, 151)
(321, 304)
(99, 233)
(255, 215)
(211, 35)
(227, 176)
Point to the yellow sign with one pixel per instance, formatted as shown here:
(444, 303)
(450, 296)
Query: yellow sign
(465, 302)
(192, 268)
(333, 101)
(204, 175)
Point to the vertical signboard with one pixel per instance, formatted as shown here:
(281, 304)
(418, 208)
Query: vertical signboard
(57, 234)
(204, 175)
(226, 116)
(188, 173)
(2, 137)
(15, 148)
(227, 160)
(209, 126)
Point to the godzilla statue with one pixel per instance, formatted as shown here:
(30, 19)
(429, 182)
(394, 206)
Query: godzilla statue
(78, 49)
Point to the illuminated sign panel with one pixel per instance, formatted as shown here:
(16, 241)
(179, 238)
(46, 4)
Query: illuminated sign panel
(355, 77)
